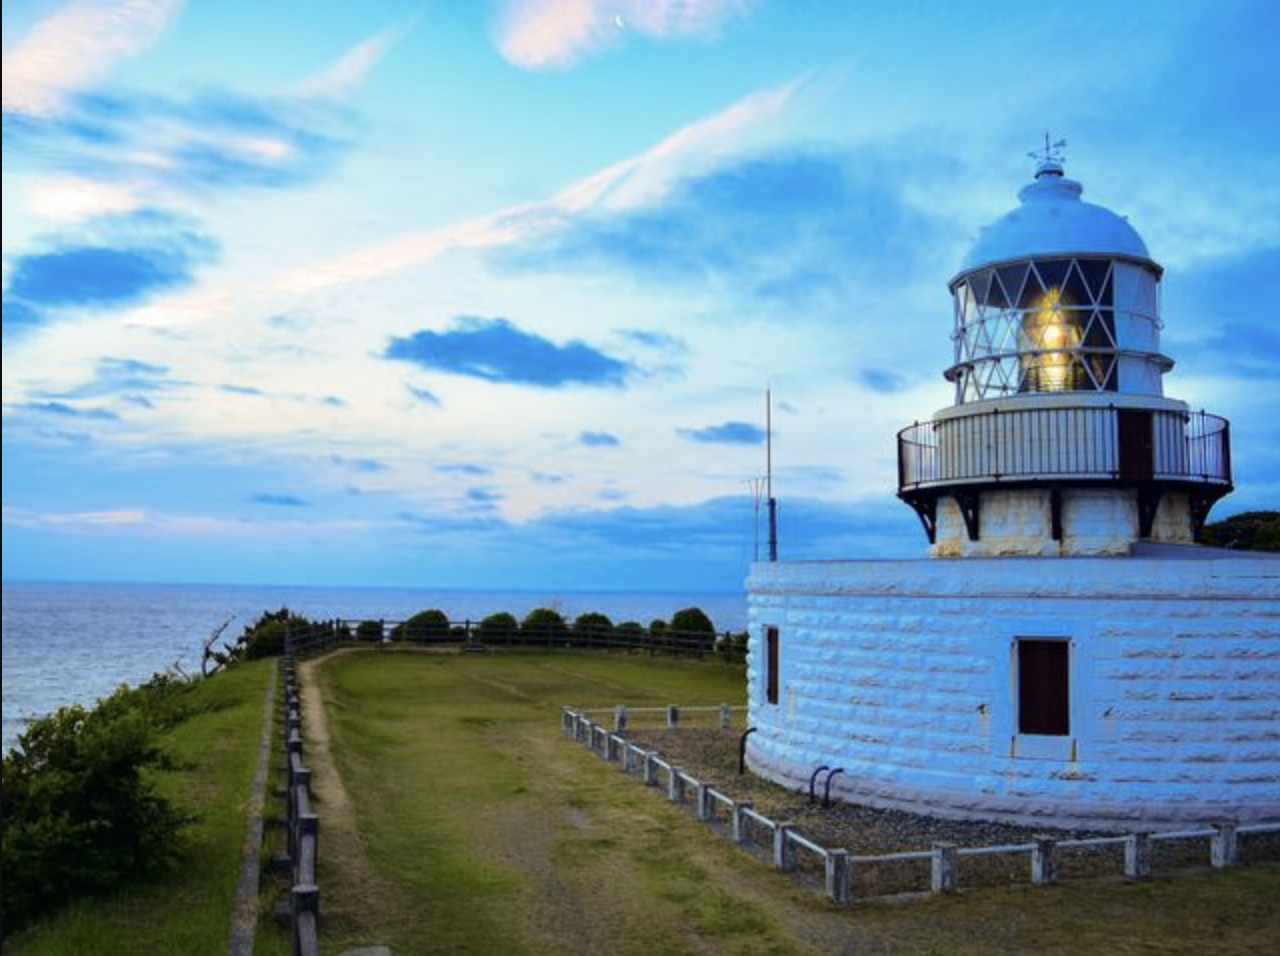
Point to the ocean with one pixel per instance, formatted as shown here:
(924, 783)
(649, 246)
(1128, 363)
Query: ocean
(72, 643)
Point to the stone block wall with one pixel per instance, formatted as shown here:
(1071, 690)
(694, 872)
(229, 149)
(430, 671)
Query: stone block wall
(904, 673)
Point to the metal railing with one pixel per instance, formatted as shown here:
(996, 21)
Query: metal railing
(1029, 444)
(742, 823)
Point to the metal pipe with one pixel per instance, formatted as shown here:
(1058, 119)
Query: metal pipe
(742, 749)
(826, 791)
(813, 781)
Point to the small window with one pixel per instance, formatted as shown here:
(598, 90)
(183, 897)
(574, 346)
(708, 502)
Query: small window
(771, 664)
(1044, 693)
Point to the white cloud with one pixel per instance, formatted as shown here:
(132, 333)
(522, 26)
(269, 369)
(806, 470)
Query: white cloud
(75, 47)
(541, 34)
(69, 199)
(350, 69)
(165, 523)
(625, 184)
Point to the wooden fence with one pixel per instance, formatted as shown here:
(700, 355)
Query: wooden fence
(302, 826)
(479, 636)
(745, 826)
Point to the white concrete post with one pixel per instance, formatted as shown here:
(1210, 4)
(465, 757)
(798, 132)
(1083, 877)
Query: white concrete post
(620, 717)
(1137, 856)
(702, 794)
(673, 715)
(675, 786)
(726, 717)
(625, 762)
(784, 854)
(944, 878)
(741, 822)
(579, 727)
(1044, 861)
(1222, 845)
(650, 768)
(839, 888)
(610, 747)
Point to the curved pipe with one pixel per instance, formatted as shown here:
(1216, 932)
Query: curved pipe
(742, 749)
(826, 792)
(813, 780)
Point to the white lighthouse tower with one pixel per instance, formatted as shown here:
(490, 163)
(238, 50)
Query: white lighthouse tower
(1061, 440)
(1066, 653)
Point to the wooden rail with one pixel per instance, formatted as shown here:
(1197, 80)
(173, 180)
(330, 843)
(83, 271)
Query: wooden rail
(302, 826)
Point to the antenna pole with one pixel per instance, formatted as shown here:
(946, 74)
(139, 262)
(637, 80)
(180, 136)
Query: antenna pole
(773, 503)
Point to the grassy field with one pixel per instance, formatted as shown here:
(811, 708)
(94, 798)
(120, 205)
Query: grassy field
(462, 822)
(189, 911)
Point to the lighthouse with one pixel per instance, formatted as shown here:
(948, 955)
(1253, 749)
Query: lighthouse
(1065, 653)
(1061, 440)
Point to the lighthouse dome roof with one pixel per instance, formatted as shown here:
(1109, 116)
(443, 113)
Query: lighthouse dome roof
(1053, 220)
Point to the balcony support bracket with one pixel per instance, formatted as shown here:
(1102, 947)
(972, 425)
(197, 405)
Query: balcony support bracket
(970, 504)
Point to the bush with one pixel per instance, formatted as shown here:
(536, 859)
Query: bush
(428, 625)
(658, 627)
(692, 620)
(369, 631)
(591, 625)
(631, 633)
(499, 627)
(80, 811)
(265, 637)
(1247, 531)
(544, 624)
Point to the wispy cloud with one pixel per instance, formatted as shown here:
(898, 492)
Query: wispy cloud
(461, 468)
(279, 500)
(542, 34)
(729, 433)
(117, 376)
(625, 184)
(70, 199)
(424, 395)
(882, 381)
(75, 47)
(495, 350)
(366, 466)
(63, 410)
(659, 341)
(350, 69)
(599, 440)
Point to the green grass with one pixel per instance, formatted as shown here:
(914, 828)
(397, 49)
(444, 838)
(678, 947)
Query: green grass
(187, 911)
(477, 828)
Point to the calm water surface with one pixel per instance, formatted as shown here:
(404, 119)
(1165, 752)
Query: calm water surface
(72, 643)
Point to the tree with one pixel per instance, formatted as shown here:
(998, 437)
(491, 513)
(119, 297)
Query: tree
(692, 620)
(591, 625)
(265, 637)
(1247, 531)
(499, 627)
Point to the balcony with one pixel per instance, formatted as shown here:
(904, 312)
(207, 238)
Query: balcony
(1152, 450)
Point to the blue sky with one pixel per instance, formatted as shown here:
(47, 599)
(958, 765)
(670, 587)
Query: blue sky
(468, 294)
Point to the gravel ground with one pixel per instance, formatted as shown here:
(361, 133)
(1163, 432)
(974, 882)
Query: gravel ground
(712, 757)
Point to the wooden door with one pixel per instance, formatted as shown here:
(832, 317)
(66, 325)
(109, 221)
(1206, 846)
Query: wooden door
(1134, 436)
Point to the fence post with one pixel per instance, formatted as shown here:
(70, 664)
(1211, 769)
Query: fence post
(702, 793)
(726, 716)
(673, 715)
(610, 747)
(620, 717)
(741, 822)
(1222, 846)
(650, 768)
(625, 762)
(838, 883)
(675, 785)
(784, 855)
(303, 898)
(1137, 856)
(1044, 860)
(943, 876)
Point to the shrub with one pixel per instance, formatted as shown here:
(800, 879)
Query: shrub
(658, 627)
(1247, 531)
(692, 620)
(499, 627)
(631, 633)
(369, 631)
(429, 625)
(592, 624)
(544, 624)
(80, 811)
(265, 637)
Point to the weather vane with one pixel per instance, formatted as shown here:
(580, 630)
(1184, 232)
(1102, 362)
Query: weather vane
(1051, 152)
